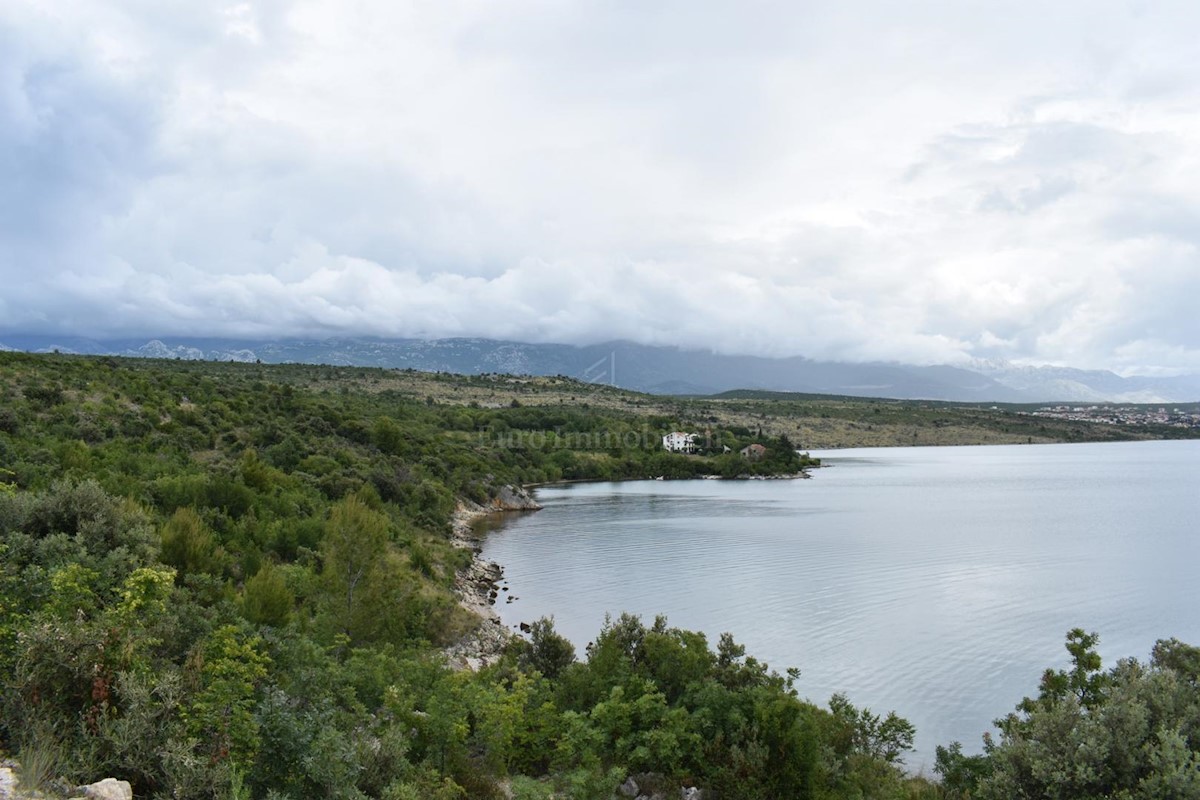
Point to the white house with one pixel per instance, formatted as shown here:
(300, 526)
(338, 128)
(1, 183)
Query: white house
(680, 442)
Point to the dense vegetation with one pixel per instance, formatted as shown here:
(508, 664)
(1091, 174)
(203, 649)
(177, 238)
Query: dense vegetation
(1128, 733)
(224, 580)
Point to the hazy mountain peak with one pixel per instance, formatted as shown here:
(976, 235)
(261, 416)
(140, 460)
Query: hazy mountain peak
(155, 348)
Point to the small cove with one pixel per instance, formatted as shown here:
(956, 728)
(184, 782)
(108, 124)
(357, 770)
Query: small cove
(938, 582)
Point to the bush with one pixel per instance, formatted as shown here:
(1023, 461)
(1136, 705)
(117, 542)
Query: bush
(266, 599)
(188, 544)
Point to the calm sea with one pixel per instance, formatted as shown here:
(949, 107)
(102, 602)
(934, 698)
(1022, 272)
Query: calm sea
(938, 582)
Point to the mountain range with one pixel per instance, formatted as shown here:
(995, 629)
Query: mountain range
(662, 370)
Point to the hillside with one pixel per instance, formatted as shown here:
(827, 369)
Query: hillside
(811, 422)
(221, 579)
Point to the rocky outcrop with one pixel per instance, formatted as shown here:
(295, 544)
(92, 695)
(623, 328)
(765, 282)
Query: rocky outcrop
(477, 586)
(514, 498)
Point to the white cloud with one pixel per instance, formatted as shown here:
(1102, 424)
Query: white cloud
(924, 183)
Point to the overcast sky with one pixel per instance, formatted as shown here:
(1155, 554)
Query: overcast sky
(921, 181)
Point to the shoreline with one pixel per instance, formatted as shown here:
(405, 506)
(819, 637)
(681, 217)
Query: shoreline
(790, 476)
(476, 586)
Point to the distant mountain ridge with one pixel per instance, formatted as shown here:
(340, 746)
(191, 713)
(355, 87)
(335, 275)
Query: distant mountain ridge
(1096, 386)
(661, 370)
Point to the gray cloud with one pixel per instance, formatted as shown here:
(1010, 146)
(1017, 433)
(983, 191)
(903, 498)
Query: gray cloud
(925, 183)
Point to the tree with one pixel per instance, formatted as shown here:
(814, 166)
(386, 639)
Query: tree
(267, 599)
(1085, 680)
(549, 652)
(188, 544)
(355, 543)
(960, 773)
(886, 738)
(1131, 732)
(220, 715)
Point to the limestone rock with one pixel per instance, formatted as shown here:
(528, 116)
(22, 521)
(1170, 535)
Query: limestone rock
(629, 788)
(515, 498)
(107, 789)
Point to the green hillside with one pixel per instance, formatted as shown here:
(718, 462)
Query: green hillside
(231, 581)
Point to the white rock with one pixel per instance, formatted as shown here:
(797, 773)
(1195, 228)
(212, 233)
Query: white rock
(108, 789)
(8, 783)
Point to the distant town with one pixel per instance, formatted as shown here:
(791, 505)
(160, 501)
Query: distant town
(1121, 415)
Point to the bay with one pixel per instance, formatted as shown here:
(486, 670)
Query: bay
(938, 582)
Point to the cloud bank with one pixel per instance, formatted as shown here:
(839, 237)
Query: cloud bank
(856, 181)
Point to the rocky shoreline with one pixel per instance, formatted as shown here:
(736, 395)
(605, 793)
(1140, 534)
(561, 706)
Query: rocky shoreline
(478, 585)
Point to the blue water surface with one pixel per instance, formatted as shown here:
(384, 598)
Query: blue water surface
(938, 582)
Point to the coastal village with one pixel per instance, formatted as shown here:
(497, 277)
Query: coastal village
(1120, 415)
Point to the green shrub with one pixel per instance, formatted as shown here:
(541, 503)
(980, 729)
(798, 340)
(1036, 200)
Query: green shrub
(266, 599)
